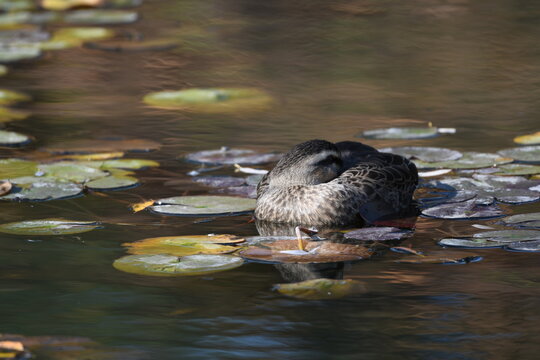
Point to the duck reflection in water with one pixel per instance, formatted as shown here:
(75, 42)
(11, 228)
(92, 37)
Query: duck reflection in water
(329, 186)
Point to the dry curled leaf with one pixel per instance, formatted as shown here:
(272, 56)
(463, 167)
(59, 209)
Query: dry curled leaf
(5, 187)
(141, 206)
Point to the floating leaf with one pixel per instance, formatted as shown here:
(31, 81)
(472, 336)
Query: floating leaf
(101, 17)
(463, 210)
(71, 171)
(243, 190)
(7, 114)
(434, 173)
(13, 168)
(9, 97)
(168, 265)
(470, 243)
(401, 133)
(184, 245)
(5, 187)
(71, 37)
(508, 235)
(10, 138)
(142, 205)
(203, 205)
(218, 100)
(112, 182)
(445, 258)
(232, 156)
(529, 246)
(99, 145)
(16, 5)
(531, 139)
(524, 153)
(321, 289)
(16, 52)
(469, 160)
(42, 189)
(518, 169)
(3, 70)
(23, 36)
(59, 5)
(285, 250)
(48, 227)
(219, 181)
(425, 153)
(531, 220)
(378, 234)
(92, 157)
(132, 46)
(248, 170)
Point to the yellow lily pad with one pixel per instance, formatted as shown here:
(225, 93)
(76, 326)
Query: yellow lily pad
(184, 245)
(13, 168)
(9, 97)
(215, 100)
(72, 37)
(59, 5)
(7, 114)
(530, 139)
(321, 289)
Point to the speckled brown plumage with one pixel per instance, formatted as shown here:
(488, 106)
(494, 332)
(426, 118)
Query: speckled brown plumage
(325, 184)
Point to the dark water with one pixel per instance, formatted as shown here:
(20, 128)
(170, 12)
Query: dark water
(336, 68)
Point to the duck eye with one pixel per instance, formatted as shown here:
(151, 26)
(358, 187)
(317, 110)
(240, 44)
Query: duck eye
(329, 160)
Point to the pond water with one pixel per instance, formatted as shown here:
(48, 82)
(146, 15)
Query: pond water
(335, 69)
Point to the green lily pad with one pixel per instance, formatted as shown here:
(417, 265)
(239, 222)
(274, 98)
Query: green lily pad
(524, 153)
(227, 156)
(72, 37)
(183, 245)
(71, 171)
(169, 265)
(14, 168)
(518, 169)
(119, 4)
(101, 17)
(470, 243)
(10, 53)
(10, 138)
(469, 160)
(203, 205)
(528, 246)
(102, 145)
(7, 114)
(49, 227)
(130, 164)
(424, 153)
(508, 235)
(321, 289)
(16, 5)
(530, 139)
(531, 220)
(8, 97)
(111, 182)
(42, 189)
(464, 210)
(218, 100)
(400, 133)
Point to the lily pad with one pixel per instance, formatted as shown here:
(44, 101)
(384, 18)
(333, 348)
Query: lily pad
(60, 5)
(10, 138)
(529, 246)
(508, 235)
(321, 289)
(41, 189)
(400, 133)
(531, 220)
(424, 153)
(217, 100)
(530, 139)
(285, 250)
(219, 181)
(445, 259)
(49, 227)
(524, 153)
(232, 156)
(243, 190)
(101, 17)
(7, 114)
(3, 70)
(378, 234)
(470, 243)
(9, 97)
(184, 245)
(129, 164)
(71, 37)
(71, 171)
(102, 145)
(203, 205)
(463, 210)
(11, 53)
(17, 5)
(469, 160)
(134, 46)
(23, 36)
(518, 169)
(112, 182)
(168, 265)
(13, 168)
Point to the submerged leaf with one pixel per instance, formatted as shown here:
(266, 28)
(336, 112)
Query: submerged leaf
(168, 265)
(217, 100)
(425, 153)
(401, 133)
(232, 156)
(48, 227)
(320, 289)
(203, 205)
(531, 139)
